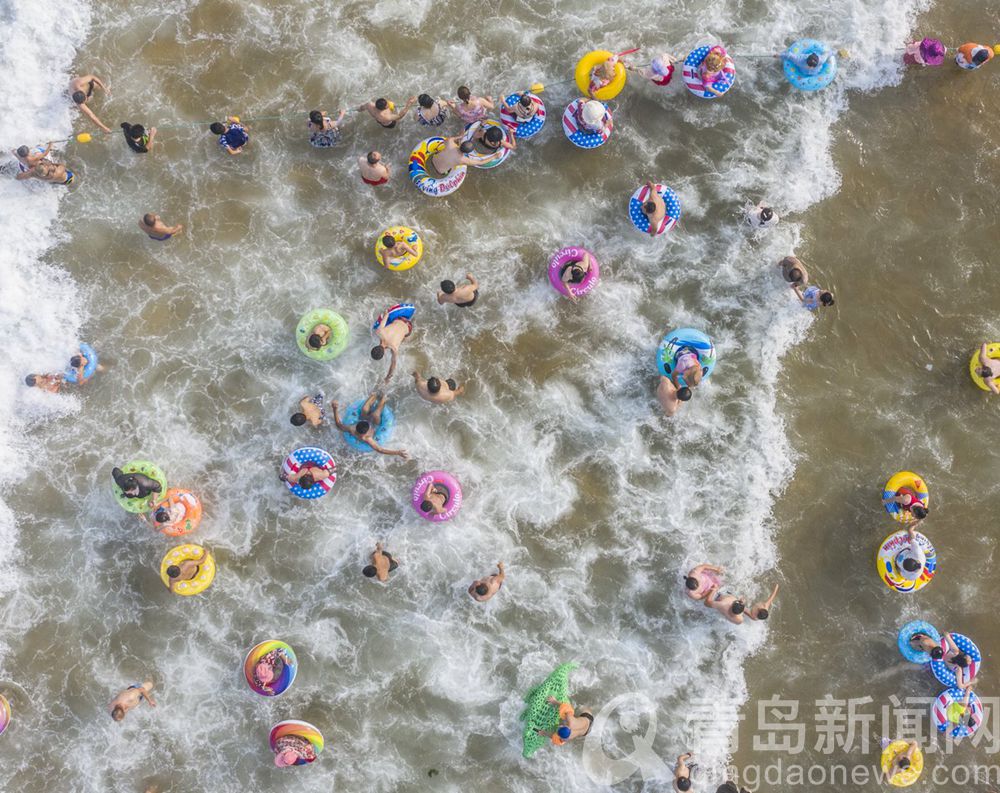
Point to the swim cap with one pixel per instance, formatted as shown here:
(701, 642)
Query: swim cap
(593, 112)
(564, 733)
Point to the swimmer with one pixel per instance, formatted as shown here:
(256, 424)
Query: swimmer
(289, 749)
(323, 131)
(711, 69)
(174, 512)
(311, 409)
(307, 476)
(382, 564)
(233, 135)
(923, 643)
(485, 588)
(369, 420)
(463, 296)
(654, 208)
(135, 485)
(593, 116)
(682, 772)
(393, 250)
(812, 297)
(808, 64)
(81, 89)
(456, 152)
(570, 725)
(431, 112)
(185, 571)
(972, 56)
(989, 369)
(574, 273)
(759, 216)
(319, 336)
(602, 74)
(522, 106)
(471, 108)
(384, 112)
(50, 383)
(900, 762)
(670, 396)
(696, 584)
(495, 139)
(152, 226)
(793, 271)
(269, 668)
(761, 611)
(687, 365)
(660, 70)
(928, 52)
(909, 501)
(78, 363)
(131, 697)
(958, 662)
(728, 606)
(430, 390)
(138, 140)
(374, 172)
(29, 158)
(911, 560)
(51, 172)
(390, 336)
(435, 500)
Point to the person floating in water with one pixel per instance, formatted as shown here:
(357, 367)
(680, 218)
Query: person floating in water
(602, 75)
(233, 136)
(185, 571)
(390, 336)
(682, 772)
(311, 409)
(319, 336)
(971, 56)
(670, 396)
(759, 216)
(47, 171)
(908, 501)
(522, 107)
(393, 250)
(989, 369)
(812, 297)
(593, 116)
(463, 296)
(290, 749)
(81, 89)
(50, 383)
(574, 273)
(928, 52)
(324, 132)
(471, 108)
(307, 476)
(571, 725)
(712, 67)
(374, 172)
(901, 762)
(382, 564)
(431, 112)
(729, 606)
(130, 698)
(138, 140)
(654, 209)
(484, 588)
(152, 226)
(958, 662)
(269, 668)
(430, 390)
(369, 420)
(494, 139)
(384, 112)
(761, 611)
(135, 485)
(660, 70)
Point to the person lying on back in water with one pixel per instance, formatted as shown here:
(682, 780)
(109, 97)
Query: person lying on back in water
(152, 225)
(311, 409)
(989, 369)
(130, 698)
(728, 606)
(570, 724)
(463, 296)
(697, 584)
(135, 485)
(654, 208)
(368, 422)
(392, 250)
(670, 396)
(485, 588)
(682, 772)
(761, 611)
(81, 89)
(923, 643)
(384, 113)
(430, 390)
(382, 564)
(50, 383)
(456, 152)
(185, 571)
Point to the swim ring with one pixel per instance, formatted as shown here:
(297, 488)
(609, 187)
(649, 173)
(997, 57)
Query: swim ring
(183, 553)
(339, 334)
(89, 369)
(992, 352)
(5, 714)
(675, 341)
(944, 673)
(948, 716)
(391, 314)
(420, 162)
(885, 562)
(192, 512)
(441, 479)
(911, 481)
(139, 505)
(580, 137)
(800, 75)
(302, 729)
(382, 433)
(523, 130)
(906, 633)
(564, 257)
(911, 774)
(692, 78)
(288, 667)
(314, 458)
(539, 713)
(484, 157)
(639, 218)
(407, 260)
(586, 65)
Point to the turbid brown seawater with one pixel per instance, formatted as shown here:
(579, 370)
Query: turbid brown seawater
(595, 502)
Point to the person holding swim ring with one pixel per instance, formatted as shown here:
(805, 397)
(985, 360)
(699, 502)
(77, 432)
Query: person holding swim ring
(431, 112)
(135, 485)
(269, 669)
(463, 296)
(382, 564)
(435, 501)
(394, 249)
(152, 226)
(682, 772)
(384, 113)
(696, 584)
(654, 209)
(185, 571)
(570, 724)
(759, 215)
(374, 172)
(958, 662)
(574, 272)
(711, 69)
(522, 107)
(390, 336)
(471, 108)
(971, 56)
(306, 477)
(493, 138)
(670, 396)
(169, 515)
(431, 390)
(910, 561)
(988, 369)
(909, 501)
(369, 420)
(483, 589)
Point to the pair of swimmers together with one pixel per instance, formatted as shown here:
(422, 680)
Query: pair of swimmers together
(364, 429)
(703, 582)
(946, 650)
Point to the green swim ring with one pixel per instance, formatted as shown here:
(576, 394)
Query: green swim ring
(140, 505)
(338, 334)
(539, 714)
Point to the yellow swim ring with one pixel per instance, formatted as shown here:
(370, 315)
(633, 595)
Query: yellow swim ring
(911, 774)
(587, 64)
(400, 234)
(891, 575)
(912, 482)
(183, 553)
(993, 352)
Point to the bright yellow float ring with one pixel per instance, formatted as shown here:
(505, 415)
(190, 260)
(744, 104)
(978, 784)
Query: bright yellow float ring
(400, 234)
(911, 774)
(183, 553)
(993, 352)
(911, 481)
(885, 562)
(587, 64)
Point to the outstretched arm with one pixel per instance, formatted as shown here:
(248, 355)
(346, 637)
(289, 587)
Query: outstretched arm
(335, 407)
(392, 366)
(93, 117)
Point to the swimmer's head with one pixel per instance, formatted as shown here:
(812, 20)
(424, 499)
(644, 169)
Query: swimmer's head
(714, 61)
(467, 147)
(464, 93)
(118, 713)
(649, 207)
(448, 287)
(524, 100)
(738, 607)
(373, 157)
(316, 117)
(937, 654)
(691, 582)
(813, 60)
(482, 589)
(961, 660)
(904, 763)
(493, 136)
(306, 481)
(136, 131)
(985, 371)
(426, 506)
(149, 219)
(315, 341)
(388, 241)
(362, 427)
(919, 512)
(76, 361)
(911, 565)
(298, 419)
(161, 515)
(563, 732)
(79, 97)
(683, 784)
(173, 571)
(23, 151)
(684, 393)
(381, 103)
(826, 298)
(795, 274)
(762, 614)
(217, 128)
(433, 385)
(593, 113)
(368, 571)
(576, 274)
(980, 57)
(426, 101)
(766, 214)
(378, 351)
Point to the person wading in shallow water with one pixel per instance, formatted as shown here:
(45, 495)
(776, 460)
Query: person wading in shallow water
(485, 588)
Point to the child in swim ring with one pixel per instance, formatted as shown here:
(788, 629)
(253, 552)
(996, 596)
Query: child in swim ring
(602, 74)
(711, 69)
(971, 56)
(928, 52)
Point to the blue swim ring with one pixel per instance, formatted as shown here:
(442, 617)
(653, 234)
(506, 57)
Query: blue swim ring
(800, 75)
(88, 371)
(903, 640)
(677, 340)
(382, 434)
(390, 315)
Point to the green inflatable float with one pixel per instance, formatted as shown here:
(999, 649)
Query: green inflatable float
(139, 505)
(338, 334)
(539, 714)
